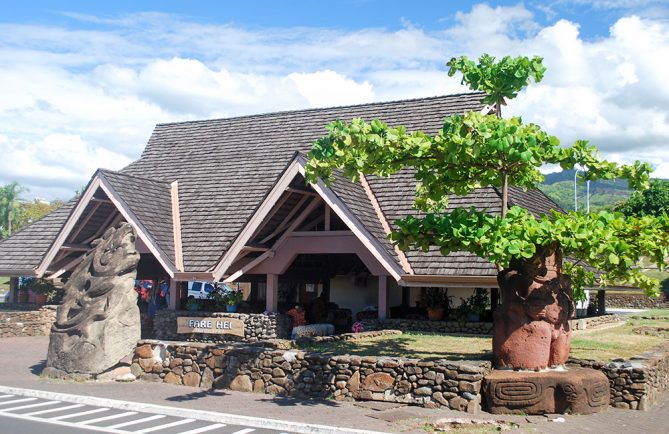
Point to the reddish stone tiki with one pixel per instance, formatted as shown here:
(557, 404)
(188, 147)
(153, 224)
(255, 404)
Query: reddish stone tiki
(532, 324)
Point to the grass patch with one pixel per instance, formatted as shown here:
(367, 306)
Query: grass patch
(4, 284)
(597, 344)
(615, 342)
(414, 346)
(658, 313)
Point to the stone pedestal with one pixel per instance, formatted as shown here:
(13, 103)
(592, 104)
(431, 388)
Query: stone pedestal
(575, 390)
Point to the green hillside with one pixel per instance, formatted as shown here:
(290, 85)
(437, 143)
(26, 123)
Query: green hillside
(559, 186)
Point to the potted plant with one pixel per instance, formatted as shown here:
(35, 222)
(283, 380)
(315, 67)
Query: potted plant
(436, 302)
(45, 291)
(192, 304)
(475, 305)
(227, 297)
(233, 297)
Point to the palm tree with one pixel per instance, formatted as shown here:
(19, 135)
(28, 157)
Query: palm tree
(9, 204)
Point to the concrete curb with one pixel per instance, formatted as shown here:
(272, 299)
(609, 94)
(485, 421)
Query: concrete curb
(208, 416)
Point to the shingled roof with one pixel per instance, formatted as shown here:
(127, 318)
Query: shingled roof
(225, 168)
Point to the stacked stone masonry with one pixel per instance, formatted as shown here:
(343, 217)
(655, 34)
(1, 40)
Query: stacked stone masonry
(635, 301)
(636, 383)
(246, 368)
(26, 320)
(415, 325)
(256, 326)
(475, 328)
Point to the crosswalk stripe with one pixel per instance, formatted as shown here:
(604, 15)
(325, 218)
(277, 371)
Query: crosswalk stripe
(204, 429)
(39, 404)
(102, 419)
(81, 413)
(136, 421)
(167, 425)
(244, 431)
(53, 410)
(16, 401)
(5, 396)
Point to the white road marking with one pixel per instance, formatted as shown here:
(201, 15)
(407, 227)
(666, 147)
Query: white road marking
(244, 431)
(204, 429)
(16, 401)
(5, 396)
(39, 404)
(166, 425)
(53, 410)
(103, 418)
(81, 413)
(136, 421)
(62, 423)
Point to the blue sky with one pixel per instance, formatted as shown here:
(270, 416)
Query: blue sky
(84, 82)
(595, 17)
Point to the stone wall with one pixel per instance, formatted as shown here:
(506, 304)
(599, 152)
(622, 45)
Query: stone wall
(477, 328)
(296, 373)
(414, 325)
(635, 383)
(26, 320)
(256, 326)
(635, 301)
(594, 321)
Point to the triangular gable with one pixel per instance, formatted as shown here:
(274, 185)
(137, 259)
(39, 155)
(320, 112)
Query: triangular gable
(105, 182)
(297, 167)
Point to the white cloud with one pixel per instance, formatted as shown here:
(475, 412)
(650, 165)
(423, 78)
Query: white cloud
(74, 100)
(324, 88)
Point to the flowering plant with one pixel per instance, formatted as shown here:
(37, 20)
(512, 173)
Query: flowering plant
(357, 327)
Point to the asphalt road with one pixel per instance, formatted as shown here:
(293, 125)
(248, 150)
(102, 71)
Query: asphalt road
(10, 425)
(24, 414)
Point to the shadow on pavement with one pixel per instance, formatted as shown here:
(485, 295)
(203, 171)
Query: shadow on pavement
(196, 395)
(37, 368)
(287, 401)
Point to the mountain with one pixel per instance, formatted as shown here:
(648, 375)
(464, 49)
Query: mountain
(559, 186)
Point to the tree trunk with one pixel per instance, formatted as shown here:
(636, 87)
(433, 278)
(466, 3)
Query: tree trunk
(532, 324)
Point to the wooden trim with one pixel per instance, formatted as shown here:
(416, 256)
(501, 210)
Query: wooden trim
(176, 226)
(301, 191)
(62, 269)
(78, 230)
(328, 216)
(194, 275)
(270, 253)
(356, 227)
(76, 247)
(69, 225)
(18, 273)
(320, 233)
(256, 220)
(142, 232)
(286, 221)
(254, 249)
(406, 266)
(275, 208)
(103, 227)
(454, 281)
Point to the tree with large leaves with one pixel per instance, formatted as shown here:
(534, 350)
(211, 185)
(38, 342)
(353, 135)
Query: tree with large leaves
(477, 150)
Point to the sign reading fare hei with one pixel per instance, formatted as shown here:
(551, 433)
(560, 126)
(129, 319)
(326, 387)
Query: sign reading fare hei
(211, 325)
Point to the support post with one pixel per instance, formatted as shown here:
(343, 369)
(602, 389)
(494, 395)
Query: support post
(272, 295)
(383, 296)
(601, 302)
(13, 289)
(174, 294)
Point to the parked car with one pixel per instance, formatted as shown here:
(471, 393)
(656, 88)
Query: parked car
(200, 290)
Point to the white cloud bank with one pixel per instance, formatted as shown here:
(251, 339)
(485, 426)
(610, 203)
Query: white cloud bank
(77, 100)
